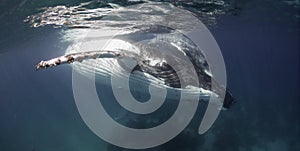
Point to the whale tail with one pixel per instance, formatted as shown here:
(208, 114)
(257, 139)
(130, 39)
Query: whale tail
(228, 100)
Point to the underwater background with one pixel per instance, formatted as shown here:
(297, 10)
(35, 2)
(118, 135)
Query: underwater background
(259, 40)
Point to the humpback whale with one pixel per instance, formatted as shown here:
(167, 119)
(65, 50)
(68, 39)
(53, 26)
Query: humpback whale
(163, 50)
(157, 46)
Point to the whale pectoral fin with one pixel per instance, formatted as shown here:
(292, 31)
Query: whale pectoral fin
(78, 57)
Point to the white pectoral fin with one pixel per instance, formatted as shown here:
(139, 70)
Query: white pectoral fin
(78, 57)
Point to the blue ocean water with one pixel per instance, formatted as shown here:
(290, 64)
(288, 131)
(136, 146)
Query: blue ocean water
(260, 45)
